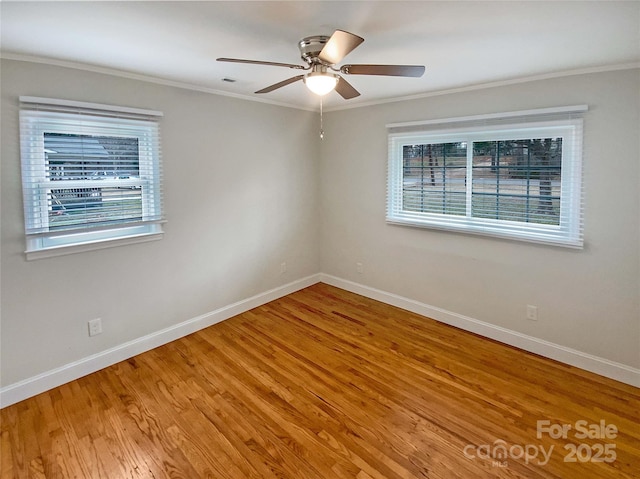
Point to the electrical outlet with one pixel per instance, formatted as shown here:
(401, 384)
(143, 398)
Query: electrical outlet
(95, 327)
(283, 267)
(532, 312)
(359, 268)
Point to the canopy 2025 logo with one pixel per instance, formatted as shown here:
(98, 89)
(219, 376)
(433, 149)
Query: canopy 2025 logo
(499, 451)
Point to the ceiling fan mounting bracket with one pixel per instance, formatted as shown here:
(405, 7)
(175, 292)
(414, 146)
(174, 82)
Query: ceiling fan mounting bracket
(310, 48)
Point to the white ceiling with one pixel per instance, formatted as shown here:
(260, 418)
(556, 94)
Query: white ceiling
(461, 43)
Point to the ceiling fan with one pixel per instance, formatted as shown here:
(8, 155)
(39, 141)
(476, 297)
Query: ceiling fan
(321, 54)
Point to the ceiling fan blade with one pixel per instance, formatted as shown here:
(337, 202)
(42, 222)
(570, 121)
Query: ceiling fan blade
(389, 70)
(339, 46)
(275, 86)
(345, 90)
(258, 62)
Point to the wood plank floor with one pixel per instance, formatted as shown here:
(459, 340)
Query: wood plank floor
(326, 384)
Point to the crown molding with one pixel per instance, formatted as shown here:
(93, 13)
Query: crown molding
(140, 77)
(493, 84)
(213, 91)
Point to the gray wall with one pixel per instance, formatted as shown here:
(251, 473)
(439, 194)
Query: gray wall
(241, 183)
(587, 300)
(249, 185)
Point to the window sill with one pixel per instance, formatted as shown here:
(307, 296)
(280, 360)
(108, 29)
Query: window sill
(515, 231)
(91, 246)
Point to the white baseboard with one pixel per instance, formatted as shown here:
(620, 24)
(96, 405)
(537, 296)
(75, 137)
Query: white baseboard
(604, 367)
(29, 387)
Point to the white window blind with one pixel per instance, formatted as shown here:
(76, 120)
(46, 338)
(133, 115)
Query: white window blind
(91, 173)
(516, 175)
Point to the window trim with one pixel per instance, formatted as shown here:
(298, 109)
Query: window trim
(511, 125)
(53, 251)
(41, 242)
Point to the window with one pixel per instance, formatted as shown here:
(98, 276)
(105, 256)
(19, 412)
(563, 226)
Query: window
(91, 175)
(517, 175)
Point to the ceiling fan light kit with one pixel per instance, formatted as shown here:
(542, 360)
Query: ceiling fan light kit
(321, 83)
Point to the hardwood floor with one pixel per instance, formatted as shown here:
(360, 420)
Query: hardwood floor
(326, 384)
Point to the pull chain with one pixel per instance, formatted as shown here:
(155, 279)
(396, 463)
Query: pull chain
(321, 130)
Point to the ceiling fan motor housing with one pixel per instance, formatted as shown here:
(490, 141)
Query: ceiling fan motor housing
(310, 48)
